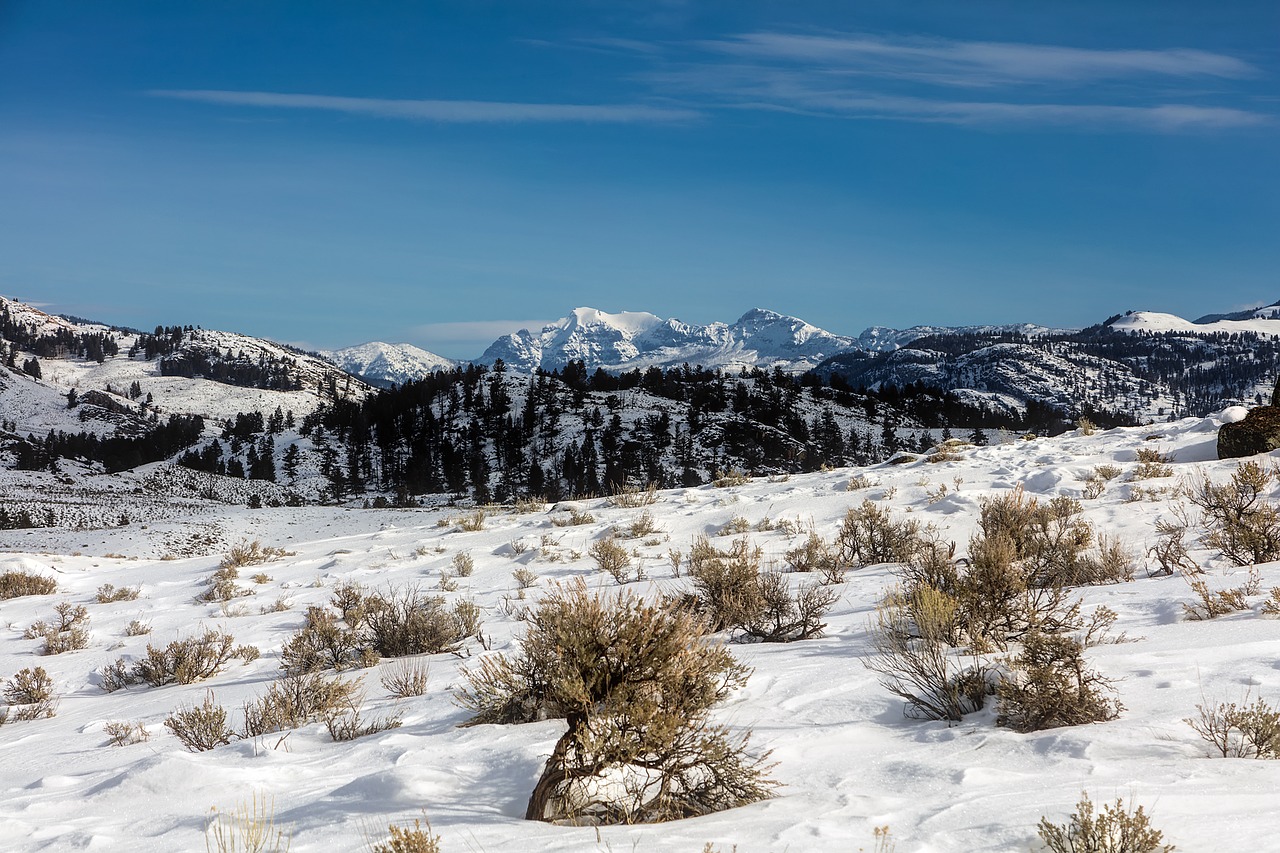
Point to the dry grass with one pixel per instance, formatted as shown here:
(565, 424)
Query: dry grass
(405, 678)
(405, 839)
(631, 497)
(251, 828)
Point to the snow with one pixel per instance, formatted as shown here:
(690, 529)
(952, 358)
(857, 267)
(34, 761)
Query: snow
(847, 757)
(388, 364)
(1154, 321)
(629, 323)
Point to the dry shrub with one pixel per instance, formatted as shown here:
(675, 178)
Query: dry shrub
(404, 839)
(31, 692)
(222, 586)
(611, 557)
(200, 727)
(463, 564)
(1170, 550)
(408, 622)
(125, 733)
(731, 593)
(996, 599)
(1051, 686)
(732, 477)
(187, 660)
(396, 623)
(1214, 604)
(1237, 522)
(349, 725)
(1049, 539)
(108, 593)
(1152, 463)
(405, 678)
(785, 618)
(69, 631)
(1247, 730)
(635, 683)
(641, 526)
(736, 526)
(117, 676)
(322, 644)
(294, 701)
(631, 497)
(251, 828)
(1271, 607)
(816, 555)
(16, 583)
(523, 506)
(870, 535)
(573, 519)
(725, 582)
(1116, 829)
(137, 628)
(912, 655)
(252, 554)
(472, 521)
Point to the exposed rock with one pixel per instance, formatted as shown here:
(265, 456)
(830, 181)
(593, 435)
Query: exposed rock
(1259, 432)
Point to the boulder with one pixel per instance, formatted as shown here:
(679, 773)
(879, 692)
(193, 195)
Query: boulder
(1259, 432)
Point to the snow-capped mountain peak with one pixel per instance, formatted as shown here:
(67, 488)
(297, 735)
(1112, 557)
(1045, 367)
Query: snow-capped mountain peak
(632, 339)
(386, 364)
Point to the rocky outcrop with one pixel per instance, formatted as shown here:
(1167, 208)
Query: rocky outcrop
(1259, 432)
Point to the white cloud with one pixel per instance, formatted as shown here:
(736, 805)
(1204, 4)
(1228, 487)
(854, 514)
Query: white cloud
(1010, 83)
(1161, 117)
(976, 63)
(437, 110)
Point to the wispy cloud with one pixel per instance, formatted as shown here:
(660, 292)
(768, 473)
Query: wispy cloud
(975, 63)
(438, 110)
(919, 79)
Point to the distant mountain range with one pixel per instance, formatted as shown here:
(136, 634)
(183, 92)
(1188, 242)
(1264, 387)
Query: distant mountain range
(759, 338)
(766, 339)
(234, 410)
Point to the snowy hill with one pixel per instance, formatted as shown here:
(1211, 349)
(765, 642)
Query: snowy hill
(1261, 321)
(847, 757)
(194, 371)
(1007, 375)
(384, 365)
(630, 340)
(884, 339)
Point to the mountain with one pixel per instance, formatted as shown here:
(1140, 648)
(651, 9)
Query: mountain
(82, 395)
(384, 365)
(885, 339)
(1005, 376)
(1144, 364)
(1262, 321)
(1268, 312)
(629, 340)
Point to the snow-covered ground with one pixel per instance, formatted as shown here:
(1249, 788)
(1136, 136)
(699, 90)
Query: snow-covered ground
(848, 760)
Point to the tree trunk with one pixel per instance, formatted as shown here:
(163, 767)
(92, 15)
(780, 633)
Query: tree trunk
(553, 774)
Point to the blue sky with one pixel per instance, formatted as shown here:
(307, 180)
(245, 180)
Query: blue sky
(441, 172)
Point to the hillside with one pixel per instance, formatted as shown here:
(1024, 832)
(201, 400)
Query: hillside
(847, 758)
